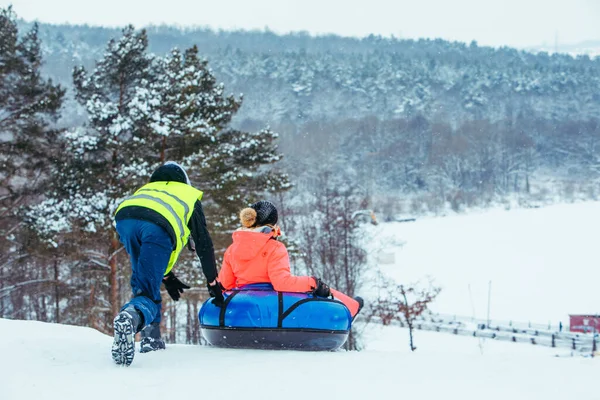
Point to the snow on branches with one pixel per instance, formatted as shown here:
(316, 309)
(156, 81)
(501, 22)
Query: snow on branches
(54, 216)
(143, 110)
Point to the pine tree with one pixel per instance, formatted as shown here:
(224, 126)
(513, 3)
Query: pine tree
(231, 165)
(104, 160)
(28, 106)
(144, 110)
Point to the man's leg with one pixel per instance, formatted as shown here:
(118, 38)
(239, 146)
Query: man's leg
(154, 256)
(155, 252)
(149, 247)
(129, 320)
(151, 339)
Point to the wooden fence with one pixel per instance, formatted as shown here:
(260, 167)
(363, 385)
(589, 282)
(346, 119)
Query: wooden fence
(582, 343)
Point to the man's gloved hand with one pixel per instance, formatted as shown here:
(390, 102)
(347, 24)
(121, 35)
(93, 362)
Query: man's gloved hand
(174, 286)
(322, 289)
(216, 291)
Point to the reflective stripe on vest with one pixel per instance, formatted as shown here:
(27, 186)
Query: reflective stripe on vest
(177, 199)
(175, 202)
(168, 207)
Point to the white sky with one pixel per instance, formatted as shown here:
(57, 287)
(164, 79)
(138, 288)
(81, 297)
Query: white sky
(518, 23)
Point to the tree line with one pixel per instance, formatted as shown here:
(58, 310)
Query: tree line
(396, 126)
(61, 259)
(298, 78)
(418, 166)
(439, 125)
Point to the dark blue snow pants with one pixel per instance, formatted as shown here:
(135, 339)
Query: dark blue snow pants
(149, 247)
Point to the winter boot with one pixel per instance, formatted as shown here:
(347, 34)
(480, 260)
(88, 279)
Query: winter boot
(151, 340)
(126, 325)
(361, 304)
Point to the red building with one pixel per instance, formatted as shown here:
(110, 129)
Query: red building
(585, 323)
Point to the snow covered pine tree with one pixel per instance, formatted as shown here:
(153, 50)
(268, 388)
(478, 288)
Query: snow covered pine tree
(28, 105)
(143, 108)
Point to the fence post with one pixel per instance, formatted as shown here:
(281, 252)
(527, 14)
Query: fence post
(553, 341)
(574, 344)
(594, 342)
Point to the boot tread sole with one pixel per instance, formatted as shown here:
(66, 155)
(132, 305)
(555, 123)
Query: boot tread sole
(123, 348)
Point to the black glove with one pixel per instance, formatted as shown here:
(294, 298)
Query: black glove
(174, 286)
(322, 289)
(216, 291)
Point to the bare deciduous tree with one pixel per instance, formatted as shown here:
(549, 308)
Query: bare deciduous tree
(404, 303)
(329, 238)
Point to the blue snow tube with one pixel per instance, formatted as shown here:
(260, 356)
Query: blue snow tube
(256, 316)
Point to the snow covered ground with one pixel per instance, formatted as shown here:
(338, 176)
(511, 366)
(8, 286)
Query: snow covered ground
(543, 263)
(58, 362)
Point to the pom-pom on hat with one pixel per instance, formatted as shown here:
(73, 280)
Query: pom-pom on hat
(259, 214)
(248, 217)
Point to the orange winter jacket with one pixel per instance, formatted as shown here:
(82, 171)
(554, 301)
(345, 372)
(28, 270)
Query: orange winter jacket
(256, 257)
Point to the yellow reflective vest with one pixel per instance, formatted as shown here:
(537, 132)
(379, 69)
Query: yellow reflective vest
(173, 200)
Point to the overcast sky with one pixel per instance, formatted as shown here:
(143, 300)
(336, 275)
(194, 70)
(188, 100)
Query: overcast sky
(518, 23)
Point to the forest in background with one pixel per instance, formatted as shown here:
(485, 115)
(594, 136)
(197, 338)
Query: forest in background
(327, 126)
(422, 126)
(61, 258)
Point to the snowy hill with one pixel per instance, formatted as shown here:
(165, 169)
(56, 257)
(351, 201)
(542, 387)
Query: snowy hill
(48, 361)
(543, 263)
(591, 48)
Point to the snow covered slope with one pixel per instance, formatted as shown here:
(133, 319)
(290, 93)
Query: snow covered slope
(543, 263)
(58, 362)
